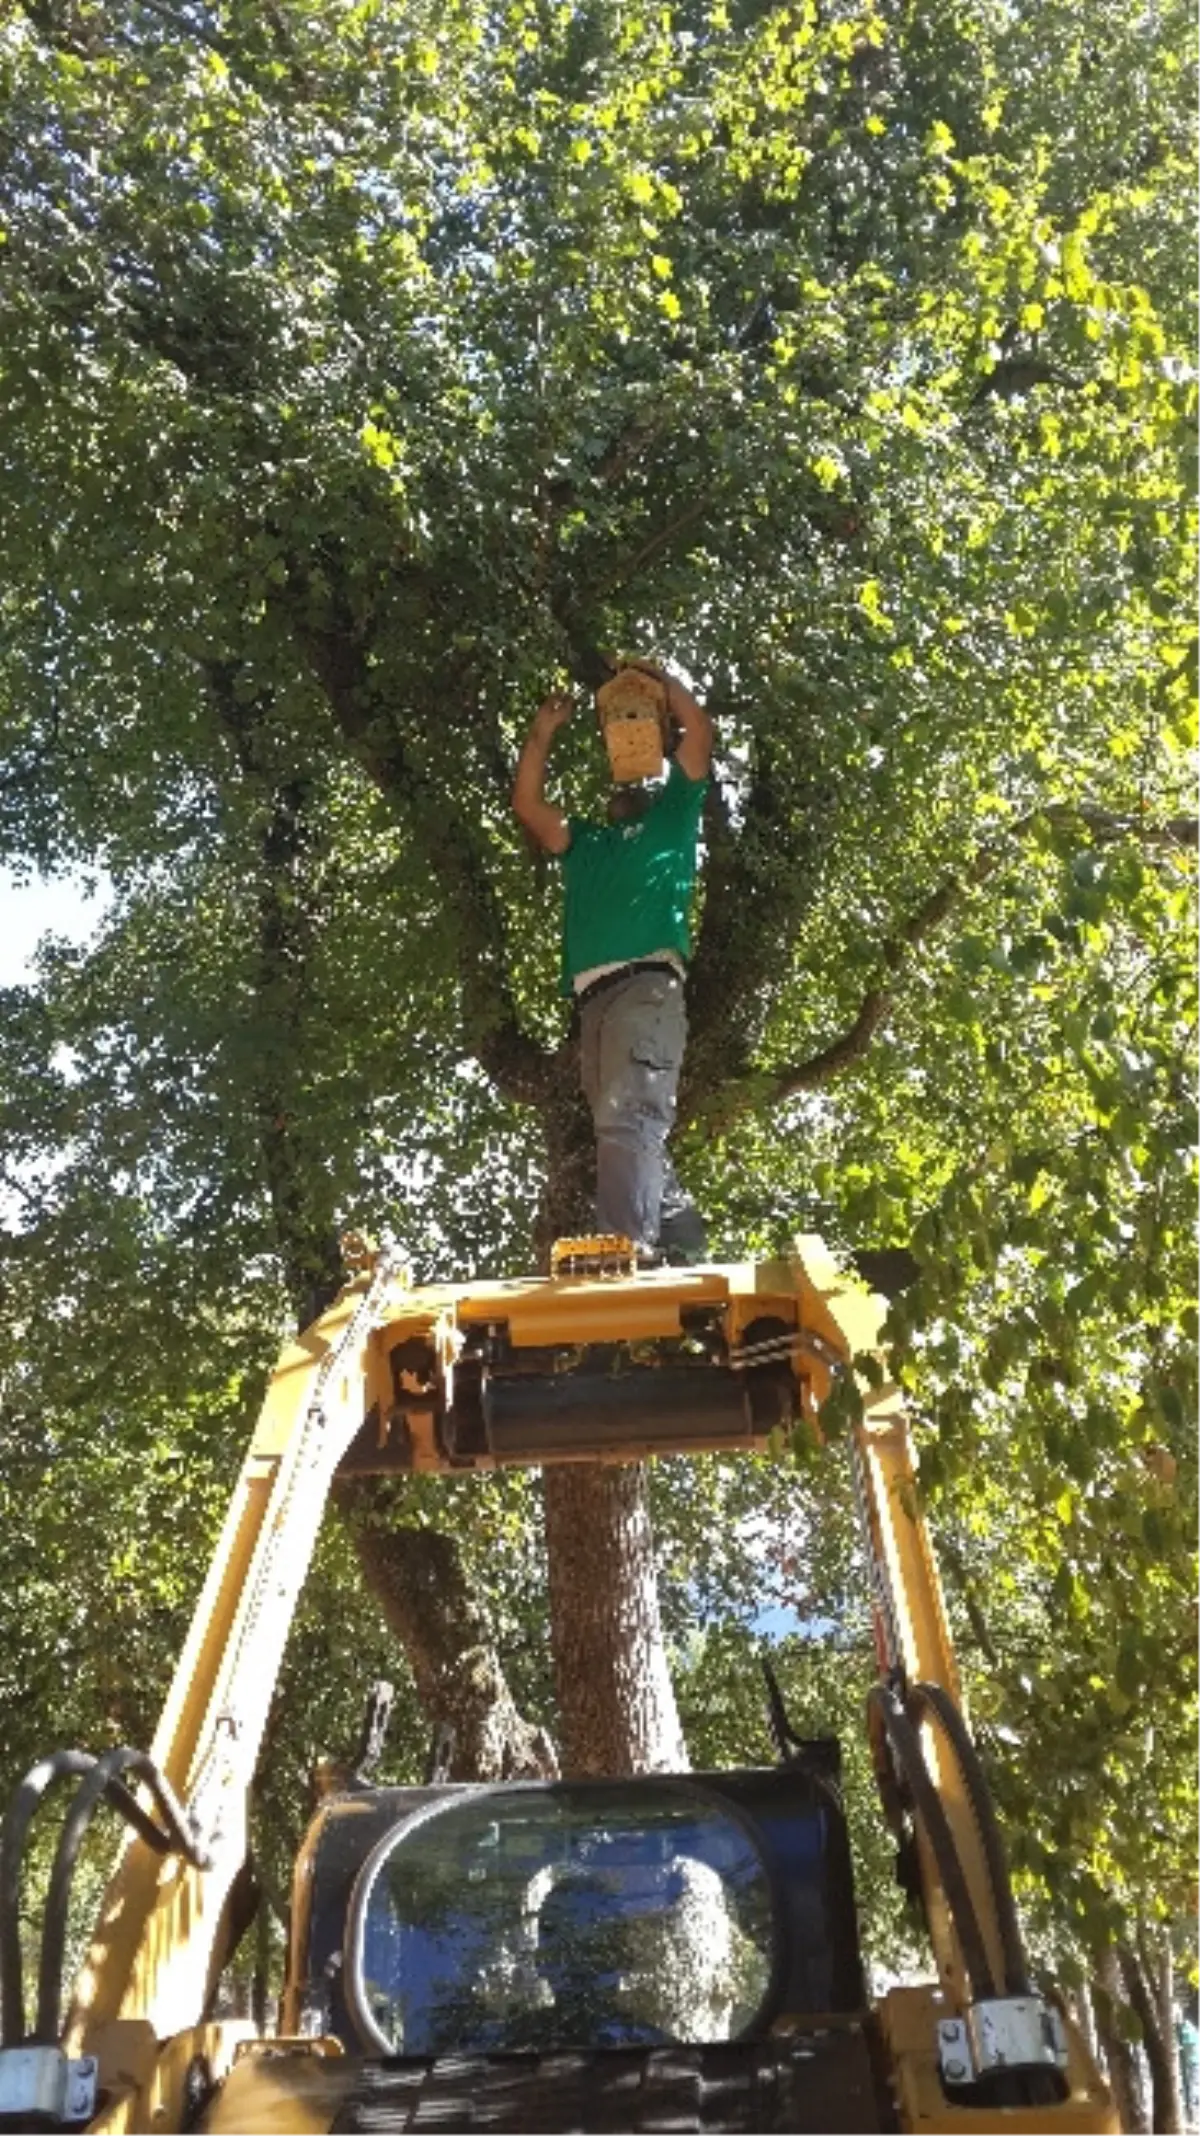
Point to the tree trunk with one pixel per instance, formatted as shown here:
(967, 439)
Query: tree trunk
(416, 1576)
(1158, 2039)
(1169, 2023)
(616, 1706)
(1119, 2057)
(566, 1204)
(1080, 2004)
(260, 1983)
(293, 837)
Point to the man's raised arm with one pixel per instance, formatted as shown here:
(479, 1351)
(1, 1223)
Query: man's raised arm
(695, 741)
(539, 816)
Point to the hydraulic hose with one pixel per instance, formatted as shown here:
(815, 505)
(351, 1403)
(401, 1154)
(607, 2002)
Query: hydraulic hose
(1031, 2086)
(176, 1839)
(938, 1701)
(23, 1804)
(905, 1745)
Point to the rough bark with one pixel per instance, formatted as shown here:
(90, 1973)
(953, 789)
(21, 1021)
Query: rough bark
(1119, 2058)
(565, 1207)
(1143, 1989)
(1174, 2101)
(616, 1706)
(417, 1577)
(1080, 2007)
(758, 883)
(291, 842)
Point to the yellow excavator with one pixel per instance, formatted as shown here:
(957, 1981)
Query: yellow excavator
(664, 1952)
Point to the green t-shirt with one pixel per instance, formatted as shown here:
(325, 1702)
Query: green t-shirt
(628, 886)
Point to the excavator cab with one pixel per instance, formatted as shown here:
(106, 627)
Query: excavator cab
(517, 1952)
(665, 1951)
(575, 1914)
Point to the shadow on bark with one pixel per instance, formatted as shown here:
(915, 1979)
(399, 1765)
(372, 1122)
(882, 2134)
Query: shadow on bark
(416, 1575)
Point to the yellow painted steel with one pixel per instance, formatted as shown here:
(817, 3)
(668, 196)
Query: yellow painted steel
(161, 1938)
(915, 1633)
(159, 1945)
(908, 2025)
(143, 2094)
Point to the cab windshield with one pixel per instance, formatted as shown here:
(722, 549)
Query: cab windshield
(583, 1916)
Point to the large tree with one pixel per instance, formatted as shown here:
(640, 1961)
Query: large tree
(367, 369)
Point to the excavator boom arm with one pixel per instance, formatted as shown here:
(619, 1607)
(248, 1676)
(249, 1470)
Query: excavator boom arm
(597, 1362)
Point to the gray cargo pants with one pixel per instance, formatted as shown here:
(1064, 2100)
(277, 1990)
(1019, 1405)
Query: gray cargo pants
(631, 1041)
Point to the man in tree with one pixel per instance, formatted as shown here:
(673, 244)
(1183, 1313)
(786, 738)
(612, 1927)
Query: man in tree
(628, 886)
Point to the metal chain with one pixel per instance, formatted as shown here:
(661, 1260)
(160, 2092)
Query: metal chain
(793, 1344)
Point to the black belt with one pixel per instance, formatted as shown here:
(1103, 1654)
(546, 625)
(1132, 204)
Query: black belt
(625, 971)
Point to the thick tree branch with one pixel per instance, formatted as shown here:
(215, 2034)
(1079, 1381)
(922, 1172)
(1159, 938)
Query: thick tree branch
(417, 1576)
(1107, 1990)
(559, 494)
(758, 883)
(1016, 375)
(1137, 1974)
(65, 28)
(1180, 831)
(655, 544)
(289, 839)
(875, 1006)
(451, 843)
(877, 1002)
(952, 1558)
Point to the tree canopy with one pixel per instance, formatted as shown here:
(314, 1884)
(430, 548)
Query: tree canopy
(366, 370)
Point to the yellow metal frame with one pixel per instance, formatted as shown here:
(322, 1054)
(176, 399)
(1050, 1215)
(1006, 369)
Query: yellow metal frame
(161, 1938)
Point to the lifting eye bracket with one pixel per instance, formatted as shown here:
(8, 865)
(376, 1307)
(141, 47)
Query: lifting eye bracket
(1005, 2032)
(45, 2088)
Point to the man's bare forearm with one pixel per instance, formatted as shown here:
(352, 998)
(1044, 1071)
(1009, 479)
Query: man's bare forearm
(529, 785)
(695, 747)
(547, 823)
